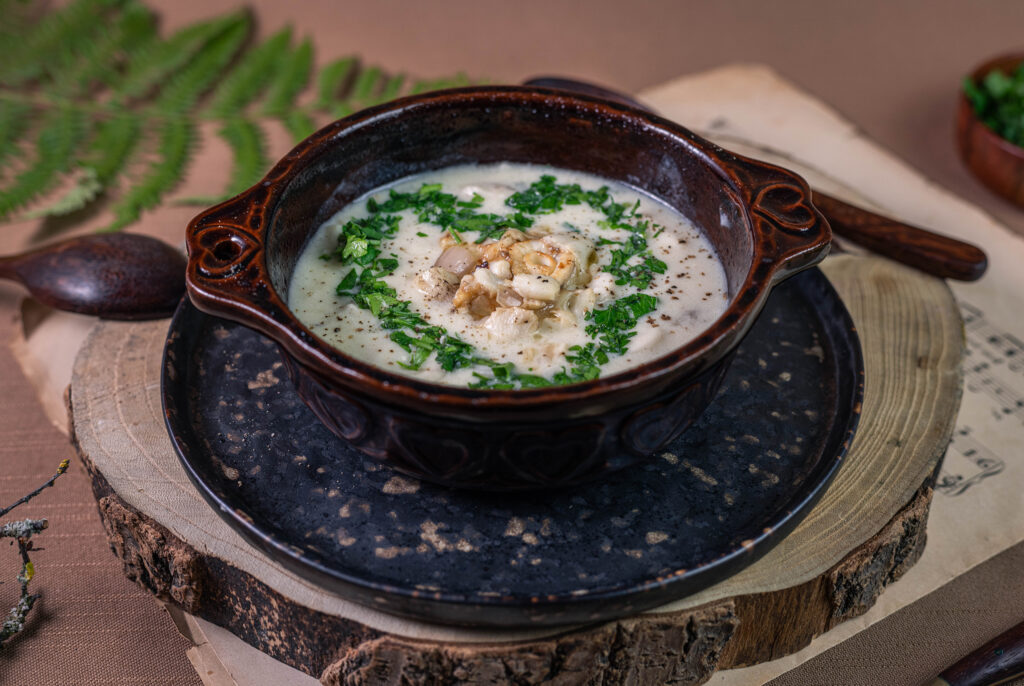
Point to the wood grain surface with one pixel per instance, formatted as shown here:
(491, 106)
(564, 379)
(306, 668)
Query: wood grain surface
(828, 570)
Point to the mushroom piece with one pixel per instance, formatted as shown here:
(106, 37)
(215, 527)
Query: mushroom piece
(567, 258)
(574, 256)
(477, 292)
(559, 319)
(437, 283)
(531, 257)
(511, 323)
(458, 259)
(500, 268)
(536, 286)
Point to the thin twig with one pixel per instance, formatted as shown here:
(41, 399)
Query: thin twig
(63, 467)
(22, 533)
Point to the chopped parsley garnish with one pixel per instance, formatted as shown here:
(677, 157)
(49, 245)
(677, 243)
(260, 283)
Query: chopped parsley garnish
(611, 328)
(432, 206)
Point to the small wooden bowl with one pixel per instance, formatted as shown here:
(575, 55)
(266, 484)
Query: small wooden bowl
(997, 162)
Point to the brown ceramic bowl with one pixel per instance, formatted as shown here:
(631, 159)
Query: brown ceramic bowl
(758, 216)
(997, 162)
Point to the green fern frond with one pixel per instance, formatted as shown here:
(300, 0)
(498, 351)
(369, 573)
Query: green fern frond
(392, 88)
(114, 141)
(161, 59)
(80, 38)
(299, 124)
(133, 28)
(99, 67)
(250, 76)
(440, 84)
(341, 109)
(367, 84)
(290, 80)
(331, 80)
(189, 84)
(14, 121)
(163, 174)
(17, 22)
(86, 188)
(53, 42)
(61, 131)
(247, 144)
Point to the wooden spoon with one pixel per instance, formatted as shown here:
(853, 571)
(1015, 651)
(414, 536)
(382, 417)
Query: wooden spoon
(930, 252)
(115, 276)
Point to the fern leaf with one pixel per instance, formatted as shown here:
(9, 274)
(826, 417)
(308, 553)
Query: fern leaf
(189, 84)
(250, 76)
(392, 88)
(85, 189)
(422, 86)
(54, 42)
(366, 85)
(114, 141)
(16, 24)
(331, 81)
(440, 84)
(163, 173)
(159, 61)
(142, 95)
(246, 141)
(299, 124)
(133, 28)
(55, 146)
(14, 120)
(290, 80)
(81, 38)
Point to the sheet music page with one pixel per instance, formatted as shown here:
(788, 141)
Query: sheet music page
(978, 508)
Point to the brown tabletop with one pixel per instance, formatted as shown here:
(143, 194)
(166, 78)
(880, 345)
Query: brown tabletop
(892, 68)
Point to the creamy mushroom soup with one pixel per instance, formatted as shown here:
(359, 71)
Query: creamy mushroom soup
(507, 276)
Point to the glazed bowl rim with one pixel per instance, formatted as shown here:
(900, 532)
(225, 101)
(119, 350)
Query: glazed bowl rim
(696, 354)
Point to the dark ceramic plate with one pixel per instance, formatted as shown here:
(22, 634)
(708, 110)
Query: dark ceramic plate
(722, 495)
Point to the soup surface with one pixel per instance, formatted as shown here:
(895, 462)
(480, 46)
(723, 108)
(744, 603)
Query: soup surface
(507, 276)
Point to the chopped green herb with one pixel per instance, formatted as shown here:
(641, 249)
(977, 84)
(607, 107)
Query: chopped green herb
(432, 206)
(998, 100)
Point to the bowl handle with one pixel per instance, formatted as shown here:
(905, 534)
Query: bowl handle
(792, 233)
(226, 265)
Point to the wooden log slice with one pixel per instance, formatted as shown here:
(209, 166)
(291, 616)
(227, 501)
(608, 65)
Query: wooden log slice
(868, 529)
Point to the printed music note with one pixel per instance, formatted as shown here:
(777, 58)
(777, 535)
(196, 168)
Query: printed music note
(994, 377)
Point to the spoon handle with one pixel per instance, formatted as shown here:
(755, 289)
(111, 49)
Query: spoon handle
(911, 245)
(996, 662)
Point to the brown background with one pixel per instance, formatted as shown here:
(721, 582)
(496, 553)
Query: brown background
(893, 68)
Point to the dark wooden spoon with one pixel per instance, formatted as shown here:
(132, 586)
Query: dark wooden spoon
(114, 276)
(911, 245)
